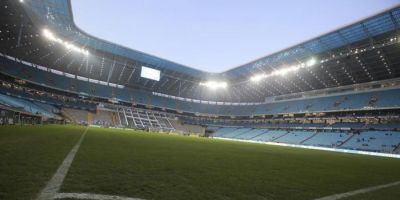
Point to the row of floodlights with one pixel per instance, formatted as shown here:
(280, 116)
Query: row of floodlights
(209, 84)
(213, 85)
(50, 36)
(283, 71)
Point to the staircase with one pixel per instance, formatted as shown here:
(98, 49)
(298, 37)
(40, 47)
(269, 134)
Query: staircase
(66, 115)
(75, 116)
(397, 149)
(309, 138)
(257, 135)
(241, 133)
(144, 119)
(279, 137)
(352, 135)
(338, 102)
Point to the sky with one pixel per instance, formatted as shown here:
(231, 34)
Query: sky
(217, 35)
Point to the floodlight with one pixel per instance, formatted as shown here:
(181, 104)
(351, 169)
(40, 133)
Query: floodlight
(284, 70)
(50, 36)
(259, 77)
(311, 62)
(68, 45)
(214, 84)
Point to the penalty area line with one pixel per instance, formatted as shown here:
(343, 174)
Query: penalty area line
(360, 191)
(54, 185)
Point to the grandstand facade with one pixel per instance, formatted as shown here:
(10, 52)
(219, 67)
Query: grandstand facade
(339, 90)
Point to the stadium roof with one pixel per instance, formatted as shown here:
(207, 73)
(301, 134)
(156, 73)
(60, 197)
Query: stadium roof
(365, 51)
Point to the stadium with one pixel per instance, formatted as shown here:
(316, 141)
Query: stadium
(86, 118)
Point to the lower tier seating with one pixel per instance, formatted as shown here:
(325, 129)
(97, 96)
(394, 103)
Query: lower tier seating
(35, 108)
(376, 141)
(328, 139)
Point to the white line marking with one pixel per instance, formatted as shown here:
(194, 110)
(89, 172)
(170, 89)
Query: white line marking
(370, 153)
(91, 196)
(53, 186)
(360, 191)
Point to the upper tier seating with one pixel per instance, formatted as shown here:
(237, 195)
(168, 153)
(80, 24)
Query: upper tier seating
(348, 125)
(351, 101)
(385, 126)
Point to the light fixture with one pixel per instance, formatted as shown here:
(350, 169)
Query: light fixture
(311, 62)
(284, 70)
(214, 84)
(258, 77)
(50, 36)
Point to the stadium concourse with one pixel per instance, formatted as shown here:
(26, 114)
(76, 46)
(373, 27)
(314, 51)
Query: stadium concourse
(337, 92)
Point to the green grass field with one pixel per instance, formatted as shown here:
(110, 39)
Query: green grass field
(157, 166)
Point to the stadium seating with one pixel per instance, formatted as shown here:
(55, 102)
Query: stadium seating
(76, 115)
(269, 135)
(251, 134)
(236, 132)
(385, 126)
(79, 110)
(185, 129)
(295, 137)
(348, 125)
(350, 101)
(328, 139)
(103, 118)
(378, 141)
(222, 131)
(28, 106)
(143, 119)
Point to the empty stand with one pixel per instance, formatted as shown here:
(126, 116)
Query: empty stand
(77, 116)
(378, 141)
(143, 119)
(29, 106)
(328, 139)
(295, 137)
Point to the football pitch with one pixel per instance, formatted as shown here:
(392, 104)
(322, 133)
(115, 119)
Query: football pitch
(116, 164)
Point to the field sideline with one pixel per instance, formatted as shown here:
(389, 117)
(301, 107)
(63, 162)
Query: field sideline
(157, 166)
